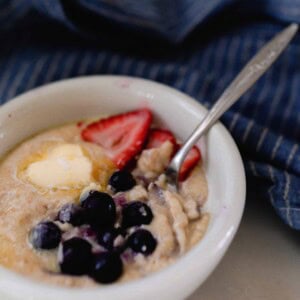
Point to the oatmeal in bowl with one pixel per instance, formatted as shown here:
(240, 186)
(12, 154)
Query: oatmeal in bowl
(88, 214)
(96, 206)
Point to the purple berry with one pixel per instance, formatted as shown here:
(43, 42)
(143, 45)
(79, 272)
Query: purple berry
(107, 267)
(100, 209)
(142, 241)
(122, 181)
(75, 256)
(71, 213)
(135, 214)
(45, 235)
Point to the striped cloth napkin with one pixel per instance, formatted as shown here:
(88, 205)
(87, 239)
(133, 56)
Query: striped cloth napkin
(197, 46)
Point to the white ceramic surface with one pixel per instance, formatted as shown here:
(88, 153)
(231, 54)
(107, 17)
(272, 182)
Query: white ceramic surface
(80, 98)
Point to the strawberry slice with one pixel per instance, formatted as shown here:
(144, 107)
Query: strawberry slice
(158, 136)
(122, 136)
(189, 163)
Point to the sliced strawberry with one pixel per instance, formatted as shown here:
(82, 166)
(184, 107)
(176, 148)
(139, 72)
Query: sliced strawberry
(190, 162)
(158, 136)
(122, 136)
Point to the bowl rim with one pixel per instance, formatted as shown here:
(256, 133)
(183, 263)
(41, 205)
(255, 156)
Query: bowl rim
(220, 246)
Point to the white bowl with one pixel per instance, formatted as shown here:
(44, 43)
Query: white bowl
(80, 98)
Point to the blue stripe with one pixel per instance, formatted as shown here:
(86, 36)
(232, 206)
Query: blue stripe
(113, 64)
(7, 67)
(204, 65)
(36, 72)
(227, 57)
(55, 63)
(21, 78)
(247, 103)
(293, 105)
(69, 63)
(279, 92)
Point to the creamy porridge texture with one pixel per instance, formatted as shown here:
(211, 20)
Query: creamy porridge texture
(89, 204)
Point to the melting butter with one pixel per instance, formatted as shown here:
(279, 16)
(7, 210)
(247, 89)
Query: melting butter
(65, 166)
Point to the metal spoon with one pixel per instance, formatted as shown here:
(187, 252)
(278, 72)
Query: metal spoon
(255, 68)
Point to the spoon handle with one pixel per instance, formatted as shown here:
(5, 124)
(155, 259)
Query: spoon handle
(254, 69)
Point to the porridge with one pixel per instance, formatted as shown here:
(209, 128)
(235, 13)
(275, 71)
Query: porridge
(88, 203)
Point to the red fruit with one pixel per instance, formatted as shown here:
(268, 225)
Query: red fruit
(158, 136)
(189, 163)
(122, 136)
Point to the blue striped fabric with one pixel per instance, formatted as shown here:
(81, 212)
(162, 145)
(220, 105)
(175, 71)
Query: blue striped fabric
(195, 46)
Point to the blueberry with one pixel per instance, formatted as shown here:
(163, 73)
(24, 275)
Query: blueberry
(71, 213)
(100, 209)
(106, 237)
(75, 256)
(86, 232)
(45, 235)
(136, 213)
(107, 267)
(122, 181)
(142, 241)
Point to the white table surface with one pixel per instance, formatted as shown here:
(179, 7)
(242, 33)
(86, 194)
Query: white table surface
(262, 263)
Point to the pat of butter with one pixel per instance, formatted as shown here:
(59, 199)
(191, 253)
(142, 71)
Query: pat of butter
(65, 166)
